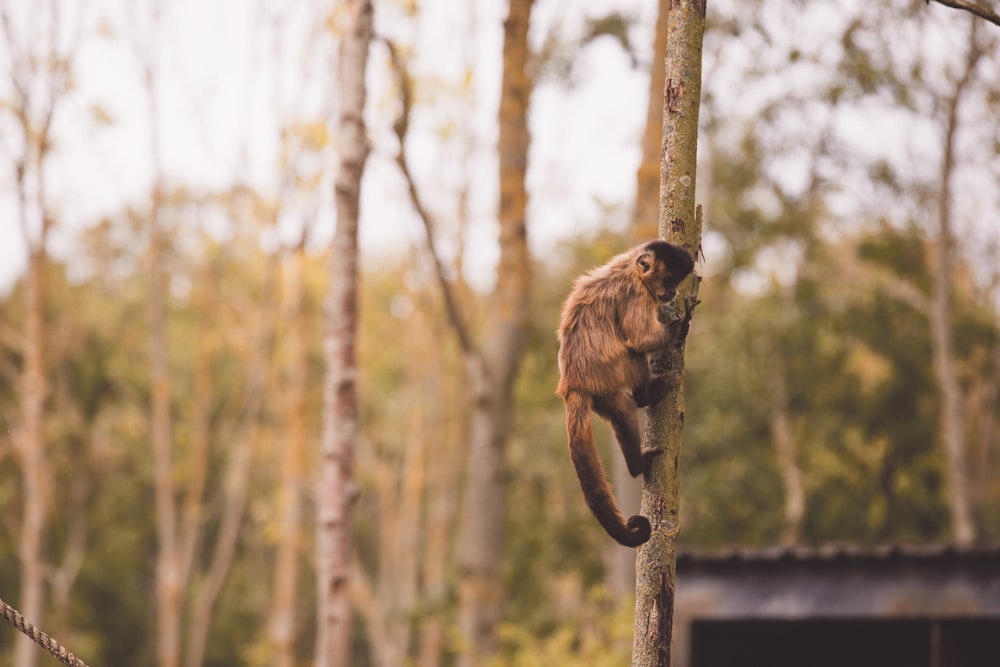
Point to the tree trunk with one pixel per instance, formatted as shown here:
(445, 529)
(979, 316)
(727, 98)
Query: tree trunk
(336, 487)
(168, 575)
(647, 179)
(620, 561)
(952, 421)
(281, 621)
(786, 448)
(29, 443)
(235, 487)
(168, 566)
(491, 373)
(679, 223)
(39, 71)
(443, 477)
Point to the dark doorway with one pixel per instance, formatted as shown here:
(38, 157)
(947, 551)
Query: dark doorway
(854, 642)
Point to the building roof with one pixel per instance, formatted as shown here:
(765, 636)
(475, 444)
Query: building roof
(838, 552)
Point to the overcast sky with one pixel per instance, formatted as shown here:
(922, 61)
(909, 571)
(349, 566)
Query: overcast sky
(231, 73)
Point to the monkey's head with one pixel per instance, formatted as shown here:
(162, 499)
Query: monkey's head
(662, 266)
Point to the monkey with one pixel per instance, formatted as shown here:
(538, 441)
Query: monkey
(607, 327)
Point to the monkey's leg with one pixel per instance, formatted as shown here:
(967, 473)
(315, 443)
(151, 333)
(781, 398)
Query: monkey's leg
(619, 410)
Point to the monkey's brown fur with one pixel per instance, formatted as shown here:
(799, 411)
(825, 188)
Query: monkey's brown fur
(607, 328)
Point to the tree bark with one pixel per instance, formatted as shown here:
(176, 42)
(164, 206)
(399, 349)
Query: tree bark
(492, 371)
(620, 561)
(952, 421)
(679, 223)
(336, 486)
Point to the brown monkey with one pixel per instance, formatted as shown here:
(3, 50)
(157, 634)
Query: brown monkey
(608, 325)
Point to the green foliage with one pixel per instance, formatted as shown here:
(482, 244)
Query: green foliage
(594, 631)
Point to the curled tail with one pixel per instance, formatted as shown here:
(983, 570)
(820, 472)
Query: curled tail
(589, 470)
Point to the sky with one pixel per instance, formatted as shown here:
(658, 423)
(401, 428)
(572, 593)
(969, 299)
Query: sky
(230, 73)
(227, 78)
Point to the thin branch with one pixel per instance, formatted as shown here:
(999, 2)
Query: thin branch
(980, 9)
(401, 127)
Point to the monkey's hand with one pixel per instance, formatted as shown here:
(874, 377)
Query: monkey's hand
(662, 384)
(647, 456)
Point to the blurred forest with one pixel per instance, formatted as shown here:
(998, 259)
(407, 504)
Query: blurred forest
(161, 355)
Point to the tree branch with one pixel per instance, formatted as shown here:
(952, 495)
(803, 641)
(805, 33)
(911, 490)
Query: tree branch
(401, 127)
(980, 9)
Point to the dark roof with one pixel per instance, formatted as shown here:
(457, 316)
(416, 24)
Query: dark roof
(838, 552)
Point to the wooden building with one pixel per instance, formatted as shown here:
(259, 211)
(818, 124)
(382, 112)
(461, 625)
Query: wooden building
(896, 606)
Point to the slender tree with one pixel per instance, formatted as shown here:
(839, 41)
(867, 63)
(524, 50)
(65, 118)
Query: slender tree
(40, 76)
(281, 616)
(492, 365)
(678, 223)
(940, 313)
(481, 528)
(336, 486)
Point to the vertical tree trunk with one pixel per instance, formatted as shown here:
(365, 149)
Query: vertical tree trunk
(336, 486)
(168, 568)
(168, 576)
(29, 443)
(620, 561)
(235, 489)
(492, 372)
(38, 75)
(679, 223)
(786, 448)
(281, 621)
(443, 477)
(647, 179)
(952, 421)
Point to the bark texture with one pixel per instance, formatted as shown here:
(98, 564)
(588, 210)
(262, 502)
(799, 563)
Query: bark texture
(620, 561)
(679, 224)
(336, 486)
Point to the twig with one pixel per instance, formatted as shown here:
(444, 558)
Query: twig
(979, 9)
(401, 126)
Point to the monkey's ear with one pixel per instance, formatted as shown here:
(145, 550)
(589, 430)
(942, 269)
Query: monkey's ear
(644, 261)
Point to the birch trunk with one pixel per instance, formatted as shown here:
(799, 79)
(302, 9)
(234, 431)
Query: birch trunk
(678, 223)
(336, 487)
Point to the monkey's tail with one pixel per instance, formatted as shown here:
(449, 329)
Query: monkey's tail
(590, 471)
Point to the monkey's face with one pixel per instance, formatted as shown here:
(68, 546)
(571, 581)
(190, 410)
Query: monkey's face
(662, 267)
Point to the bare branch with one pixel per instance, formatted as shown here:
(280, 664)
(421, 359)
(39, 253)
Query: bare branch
(980, 9)
(401, 127)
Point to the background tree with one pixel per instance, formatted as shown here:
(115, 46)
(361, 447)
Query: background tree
(39, 50)
(336, 486)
